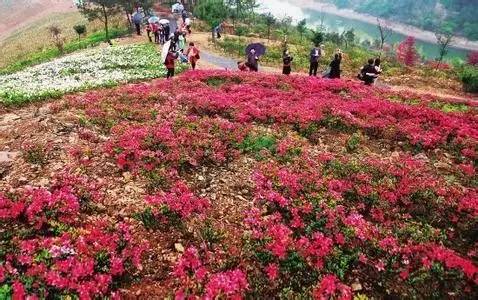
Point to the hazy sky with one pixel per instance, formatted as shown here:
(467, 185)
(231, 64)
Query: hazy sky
(281, 8)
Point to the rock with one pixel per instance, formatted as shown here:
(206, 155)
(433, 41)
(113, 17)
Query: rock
(179, 247)
(7, 118)
(421, 156)
(356, 286)
(44, 182)
(22, 180)
(7, 157)
(127, 176)
(44, 110)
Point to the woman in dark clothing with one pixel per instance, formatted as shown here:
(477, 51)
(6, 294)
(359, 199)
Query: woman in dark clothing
(287, 60)
(368, 73)
(170, 63)
(335, 66)
(252, 61)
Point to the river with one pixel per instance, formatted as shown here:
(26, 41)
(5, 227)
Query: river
(338, 23)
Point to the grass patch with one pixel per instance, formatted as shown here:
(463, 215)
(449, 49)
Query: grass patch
(450, 107)
(257, 144)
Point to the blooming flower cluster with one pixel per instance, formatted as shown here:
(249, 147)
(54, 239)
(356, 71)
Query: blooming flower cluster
(49, 252)
(179, 201)
(191, 270)
(358, 184)
(80, 71)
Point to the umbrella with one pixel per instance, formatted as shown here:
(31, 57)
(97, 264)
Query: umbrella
(165, 51)
(164, 21)
(260, 49)
(153, 19)
(138, 17)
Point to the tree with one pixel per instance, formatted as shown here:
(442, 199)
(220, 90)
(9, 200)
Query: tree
(349, 37)
(58, 40)
(80, 29)
(285, 27)
(130, 6)
(213, 12)
(407, 52)
(270, 21)
(444, 39)
(302, 28)
(385, 32)
(317, 37)
(99, 10)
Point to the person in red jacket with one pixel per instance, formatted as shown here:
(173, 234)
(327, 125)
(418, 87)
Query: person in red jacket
(170, 62)
(193, 55)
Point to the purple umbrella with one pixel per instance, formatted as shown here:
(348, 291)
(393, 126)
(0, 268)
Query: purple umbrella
(260, 49)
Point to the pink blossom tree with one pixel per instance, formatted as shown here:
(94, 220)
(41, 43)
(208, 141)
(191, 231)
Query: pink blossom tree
(407, 53)
(473, 58)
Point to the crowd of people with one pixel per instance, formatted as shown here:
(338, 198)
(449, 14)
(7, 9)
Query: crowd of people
(177, 41)
(369, 73)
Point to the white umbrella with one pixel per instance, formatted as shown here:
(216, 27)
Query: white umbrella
(153, 19)
(165, 50)
(164, 21)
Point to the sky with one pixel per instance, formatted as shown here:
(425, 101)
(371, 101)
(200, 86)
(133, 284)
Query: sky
(280, 9)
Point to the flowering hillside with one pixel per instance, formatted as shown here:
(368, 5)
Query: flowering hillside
(81, 71)
(234, 185)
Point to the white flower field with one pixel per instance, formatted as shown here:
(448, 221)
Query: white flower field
(99, 67)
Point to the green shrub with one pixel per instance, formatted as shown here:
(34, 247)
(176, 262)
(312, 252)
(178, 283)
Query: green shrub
(469, 78)
(255, 144)
(241, 31)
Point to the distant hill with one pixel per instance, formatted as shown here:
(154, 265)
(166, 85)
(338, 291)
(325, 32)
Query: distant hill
(457, 15)
(19, 13)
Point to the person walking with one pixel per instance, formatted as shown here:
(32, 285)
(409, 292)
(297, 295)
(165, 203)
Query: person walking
(170, 62)
(335, 65)
(315, 55)
(148, 32)
(167, 31)
(218, 30)
(187, 22)
(193, 55)
(253, 61)
(184, 15)
(137, 18)
(287, 61)
(155, 28)
(162, 38)
(181, 42)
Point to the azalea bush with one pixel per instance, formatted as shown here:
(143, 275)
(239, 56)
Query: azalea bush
(49, 252)
(253, 186)
(80, 71)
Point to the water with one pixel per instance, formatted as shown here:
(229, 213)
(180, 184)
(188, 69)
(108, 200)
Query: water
(363, 30)
(366, 31)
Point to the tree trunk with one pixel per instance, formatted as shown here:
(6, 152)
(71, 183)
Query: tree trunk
(105, 14)
(130, 24)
